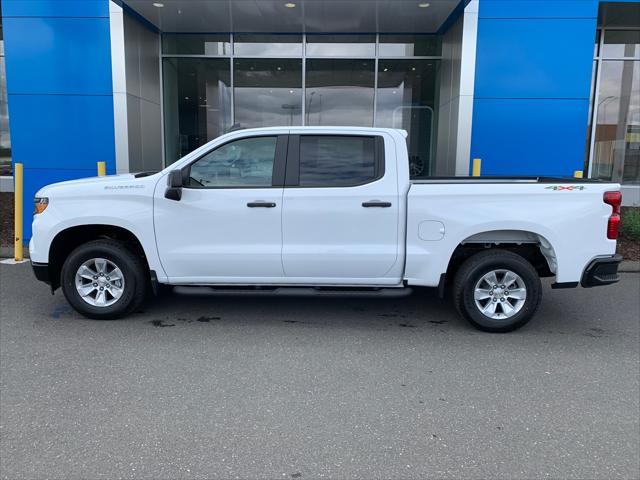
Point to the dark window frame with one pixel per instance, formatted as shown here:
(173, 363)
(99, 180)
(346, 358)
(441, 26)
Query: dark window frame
(278, 173)
(292, 174)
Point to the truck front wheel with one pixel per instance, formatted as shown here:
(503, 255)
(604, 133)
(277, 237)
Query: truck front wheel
(102, 279)
(497, 291)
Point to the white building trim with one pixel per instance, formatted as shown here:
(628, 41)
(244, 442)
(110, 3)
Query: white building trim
(467, 85)
(119, 80)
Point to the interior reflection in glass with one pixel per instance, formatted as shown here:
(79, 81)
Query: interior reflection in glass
(339, 92)
(246, 162)
(336, 161)
(197, 103)
(268, 92)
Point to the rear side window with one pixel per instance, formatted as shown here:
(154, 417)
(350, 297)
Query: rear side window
(337, 160)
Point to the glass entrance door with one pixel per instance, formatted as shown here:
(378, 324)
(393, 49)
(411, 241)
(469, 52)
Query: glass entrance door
(214, 83)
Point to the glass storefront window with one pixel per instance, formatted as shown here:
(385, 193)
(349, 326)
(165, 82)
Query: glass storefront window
(197, 103)
(592, 93)
(613, 151)
(267, 45)
(341, 45)
(339, 92)
(263, 81)
(621, 43)
(268, 92)
(619, 14)
(196, 44)
(616, 154)
(406, 99)
(410, 45)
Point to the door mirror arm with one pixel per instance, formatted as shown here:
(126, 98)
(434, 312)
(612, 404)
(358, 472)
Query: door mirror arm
(174, 185)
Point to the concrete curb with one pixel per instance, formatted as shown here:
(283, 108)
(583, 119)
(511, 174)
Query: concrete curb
(7, 252)
(627, 266)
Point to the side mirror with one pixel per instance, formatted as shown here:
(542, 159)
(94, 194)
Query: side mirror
(174, 186)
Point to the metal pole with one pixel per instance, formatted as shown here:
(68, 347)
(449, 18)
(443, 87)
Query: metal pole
(477, 164)
(18, 212)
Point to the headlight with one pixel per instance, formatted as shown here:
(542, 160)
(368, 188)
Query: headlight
(40, 204)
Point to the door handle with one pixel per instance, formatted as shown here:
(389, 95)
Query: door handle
(261, 204)
(376, 203)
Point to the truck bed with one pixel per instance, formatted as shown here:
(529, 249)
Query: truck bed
(567, 217)
(501, 179)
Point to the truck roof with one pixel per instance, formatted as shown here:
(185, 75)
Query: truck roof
(336, 128)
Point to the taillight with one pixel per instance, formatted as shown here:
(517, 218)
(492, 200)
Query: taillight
(613, 226)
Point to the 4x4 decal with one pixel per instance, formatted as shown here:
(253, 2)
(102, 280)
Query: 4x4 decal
(565, 187)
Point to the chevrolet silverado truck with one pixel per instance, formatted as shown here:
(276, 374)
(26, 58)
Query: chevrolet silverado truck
(324, 211)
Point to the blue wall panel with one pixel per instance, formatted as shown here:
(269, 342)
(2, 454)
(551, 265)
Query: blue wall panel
(530, 136)
(537, 8)
(58, 55)
(80, 137)
(55, 8)
(533, 79)
(516, 60)
(58, 61)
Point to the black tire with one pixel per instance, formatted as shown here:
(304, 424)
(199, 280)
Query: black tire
(479, 265)
(133, 271)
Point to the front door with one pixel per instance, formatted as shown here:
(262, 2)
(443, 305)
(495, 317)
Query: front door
(227, 225)
(340, 218)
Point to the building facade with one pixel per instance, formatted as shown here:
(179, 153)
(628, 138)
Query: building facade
(531, 87)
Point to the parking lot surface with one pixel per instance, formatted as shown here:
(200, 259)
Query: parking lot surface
(239, 387)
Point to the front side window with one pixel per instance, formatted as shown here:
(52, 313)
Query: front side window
(337, 161)
(247, 162)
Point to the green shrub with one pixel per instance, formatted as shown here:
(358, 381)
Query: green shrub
(631, 223)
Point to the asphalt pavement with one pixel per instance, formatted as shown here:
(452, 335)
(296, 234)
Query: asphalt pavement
(307, 388)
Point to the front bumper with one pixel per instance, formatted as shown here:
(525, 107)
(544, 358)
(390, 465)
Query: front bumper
(41, 271)
(601, 271)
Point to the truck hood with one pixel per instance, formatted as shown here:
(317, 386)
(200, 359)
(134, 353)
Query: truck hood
(118, 181)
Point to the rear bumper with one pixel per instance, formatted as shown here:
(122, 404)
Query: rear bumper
(41, 271)
(601, 271)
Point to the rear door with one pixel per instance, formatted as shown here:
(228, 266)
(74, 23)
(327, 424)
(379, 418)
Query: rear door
(340, 213)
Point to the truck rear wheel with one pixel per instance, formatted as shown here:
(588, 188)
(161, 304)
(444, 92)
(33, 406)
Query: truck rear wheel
(102, 279)
(497, 291)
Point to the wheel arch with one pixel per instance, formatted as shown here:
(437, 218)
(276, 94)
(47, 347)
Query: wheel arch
(532, 246)
(66, 240)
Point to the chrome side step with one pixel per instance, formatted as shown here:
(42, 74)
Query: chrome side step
(293, 291)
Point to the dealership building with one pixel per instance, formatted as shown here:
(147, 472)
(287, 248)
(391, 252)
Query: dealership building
(530, 87)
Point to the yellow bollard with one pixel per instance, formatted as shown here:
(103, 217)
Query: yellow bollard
(102, 169)
(578, 174)
(17, 212)
(477, 163)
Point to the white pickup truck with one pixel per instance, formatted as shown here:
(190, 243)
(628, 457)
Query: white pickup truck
(323, 210)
